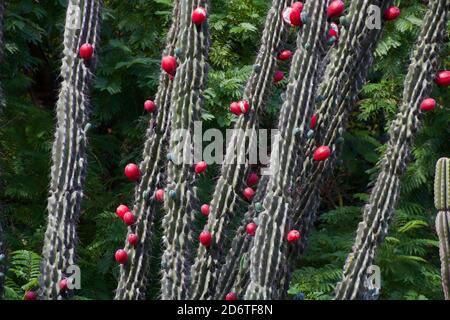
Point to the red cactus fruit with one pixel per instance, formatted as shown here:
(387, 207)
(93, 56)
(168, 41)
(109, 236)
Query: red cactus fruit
(244, 106)
(249, 193)
(159, 195)
(133, 239)
(30, 295)
(149, 106)
(205, 209)
(121, 256)
(313, 122)
(235, 108)
(128, 218)
(252, 179)
(334, 31)
(298, 6)
(201, 167)
(205, 238)
(293, 236)
(121, 210)
(251, 228)
(295, 17)
(86, 51)
(285, 55)
(279, 75)
(132, 172)
(63, 285)
(428, 104)
(322, 153)
(230, 296)
(443, 78)
(335, 9)
(199, 16)
(391, 13)
(169, 65)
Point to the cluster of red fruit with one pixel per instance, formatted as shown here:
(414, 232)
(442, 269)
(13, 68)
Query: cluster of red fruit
(442, 79)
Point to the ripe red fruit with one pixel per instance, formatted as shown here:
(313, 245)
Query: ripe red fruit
(159, 195)
(230, 296)
(249, 193)
(121, 210)
(201, 167)
(428, 104)
(335, 9)
(293, 236)
(169, 64)
(322, 153)
(205, 238)
(313, 122)
(298, 6)
(235, 108)
(133, 239)
(244, 106)
(443, 78)
(132, 172)
(121, 256)
(252, 179)
(128, 218)
(86, 51)
(30, 295)
(149, 106)
(295, 17)
(205, 210)
(285, 55)
(251, 228)
(391, 13)
(279, 75)
(63, 285)
(334, 31)
(198, 16)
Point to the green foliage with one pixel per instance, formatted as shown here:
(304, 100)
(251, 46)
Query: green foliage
(23, 273)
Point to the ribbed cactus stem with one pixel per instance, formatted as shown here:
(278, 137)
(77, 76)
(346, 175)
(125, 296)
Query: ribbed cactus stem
(186, 104)
(442, 202)
(68, 169)
(2, 262)
(227, 200)
(134, 274)
(267, 256)
(383, 199)
(2, 16)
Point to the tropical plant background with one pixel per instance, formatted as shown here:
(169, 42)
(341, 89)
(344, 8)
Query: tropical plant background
(132, 40)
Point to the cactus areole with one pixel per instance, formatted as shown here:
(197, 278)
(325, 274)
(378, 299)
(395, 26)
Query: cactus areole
(251, 228)
(133, 239)
(428, 104)
(121, 210)
(322, 153)
(293, 236)
(169, 65)
(128, 218)
(205, 238)
(132, 172)
(86, 51)
(335, 9)
(391, 13)
(204, 209)
(201, 167)
(285, 55)
(443, 78)
(199, 16)
(231, 296)
(149, 106)
(121, 256)
(30, 295)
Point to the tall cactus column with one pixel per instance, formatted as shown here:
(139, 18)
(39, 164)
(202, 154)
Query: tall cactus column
(187, 101)
(266, 255)
(442, 203)
(227, 199)
(69, 163)
(134, 274)
(383, 199)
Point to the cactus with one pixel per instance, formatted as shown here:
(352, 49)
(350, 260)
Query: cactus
(295, 113)
(442, 203)
(68, 169)
(186, 104)
(383, 199)
(227, 200)
(2, 262)
(2, 14)
(134, 275)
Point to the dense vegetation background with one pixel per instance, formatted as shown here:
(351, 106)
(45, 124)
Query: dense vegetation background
(132, 40)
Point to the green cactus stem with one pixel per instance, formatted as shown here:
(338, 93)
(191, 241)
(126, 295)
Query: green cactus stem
(442, 202)
(134, 274)
(69, 163)
(383, 199)
(227, 200)
(186, 104)
(267, 257)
